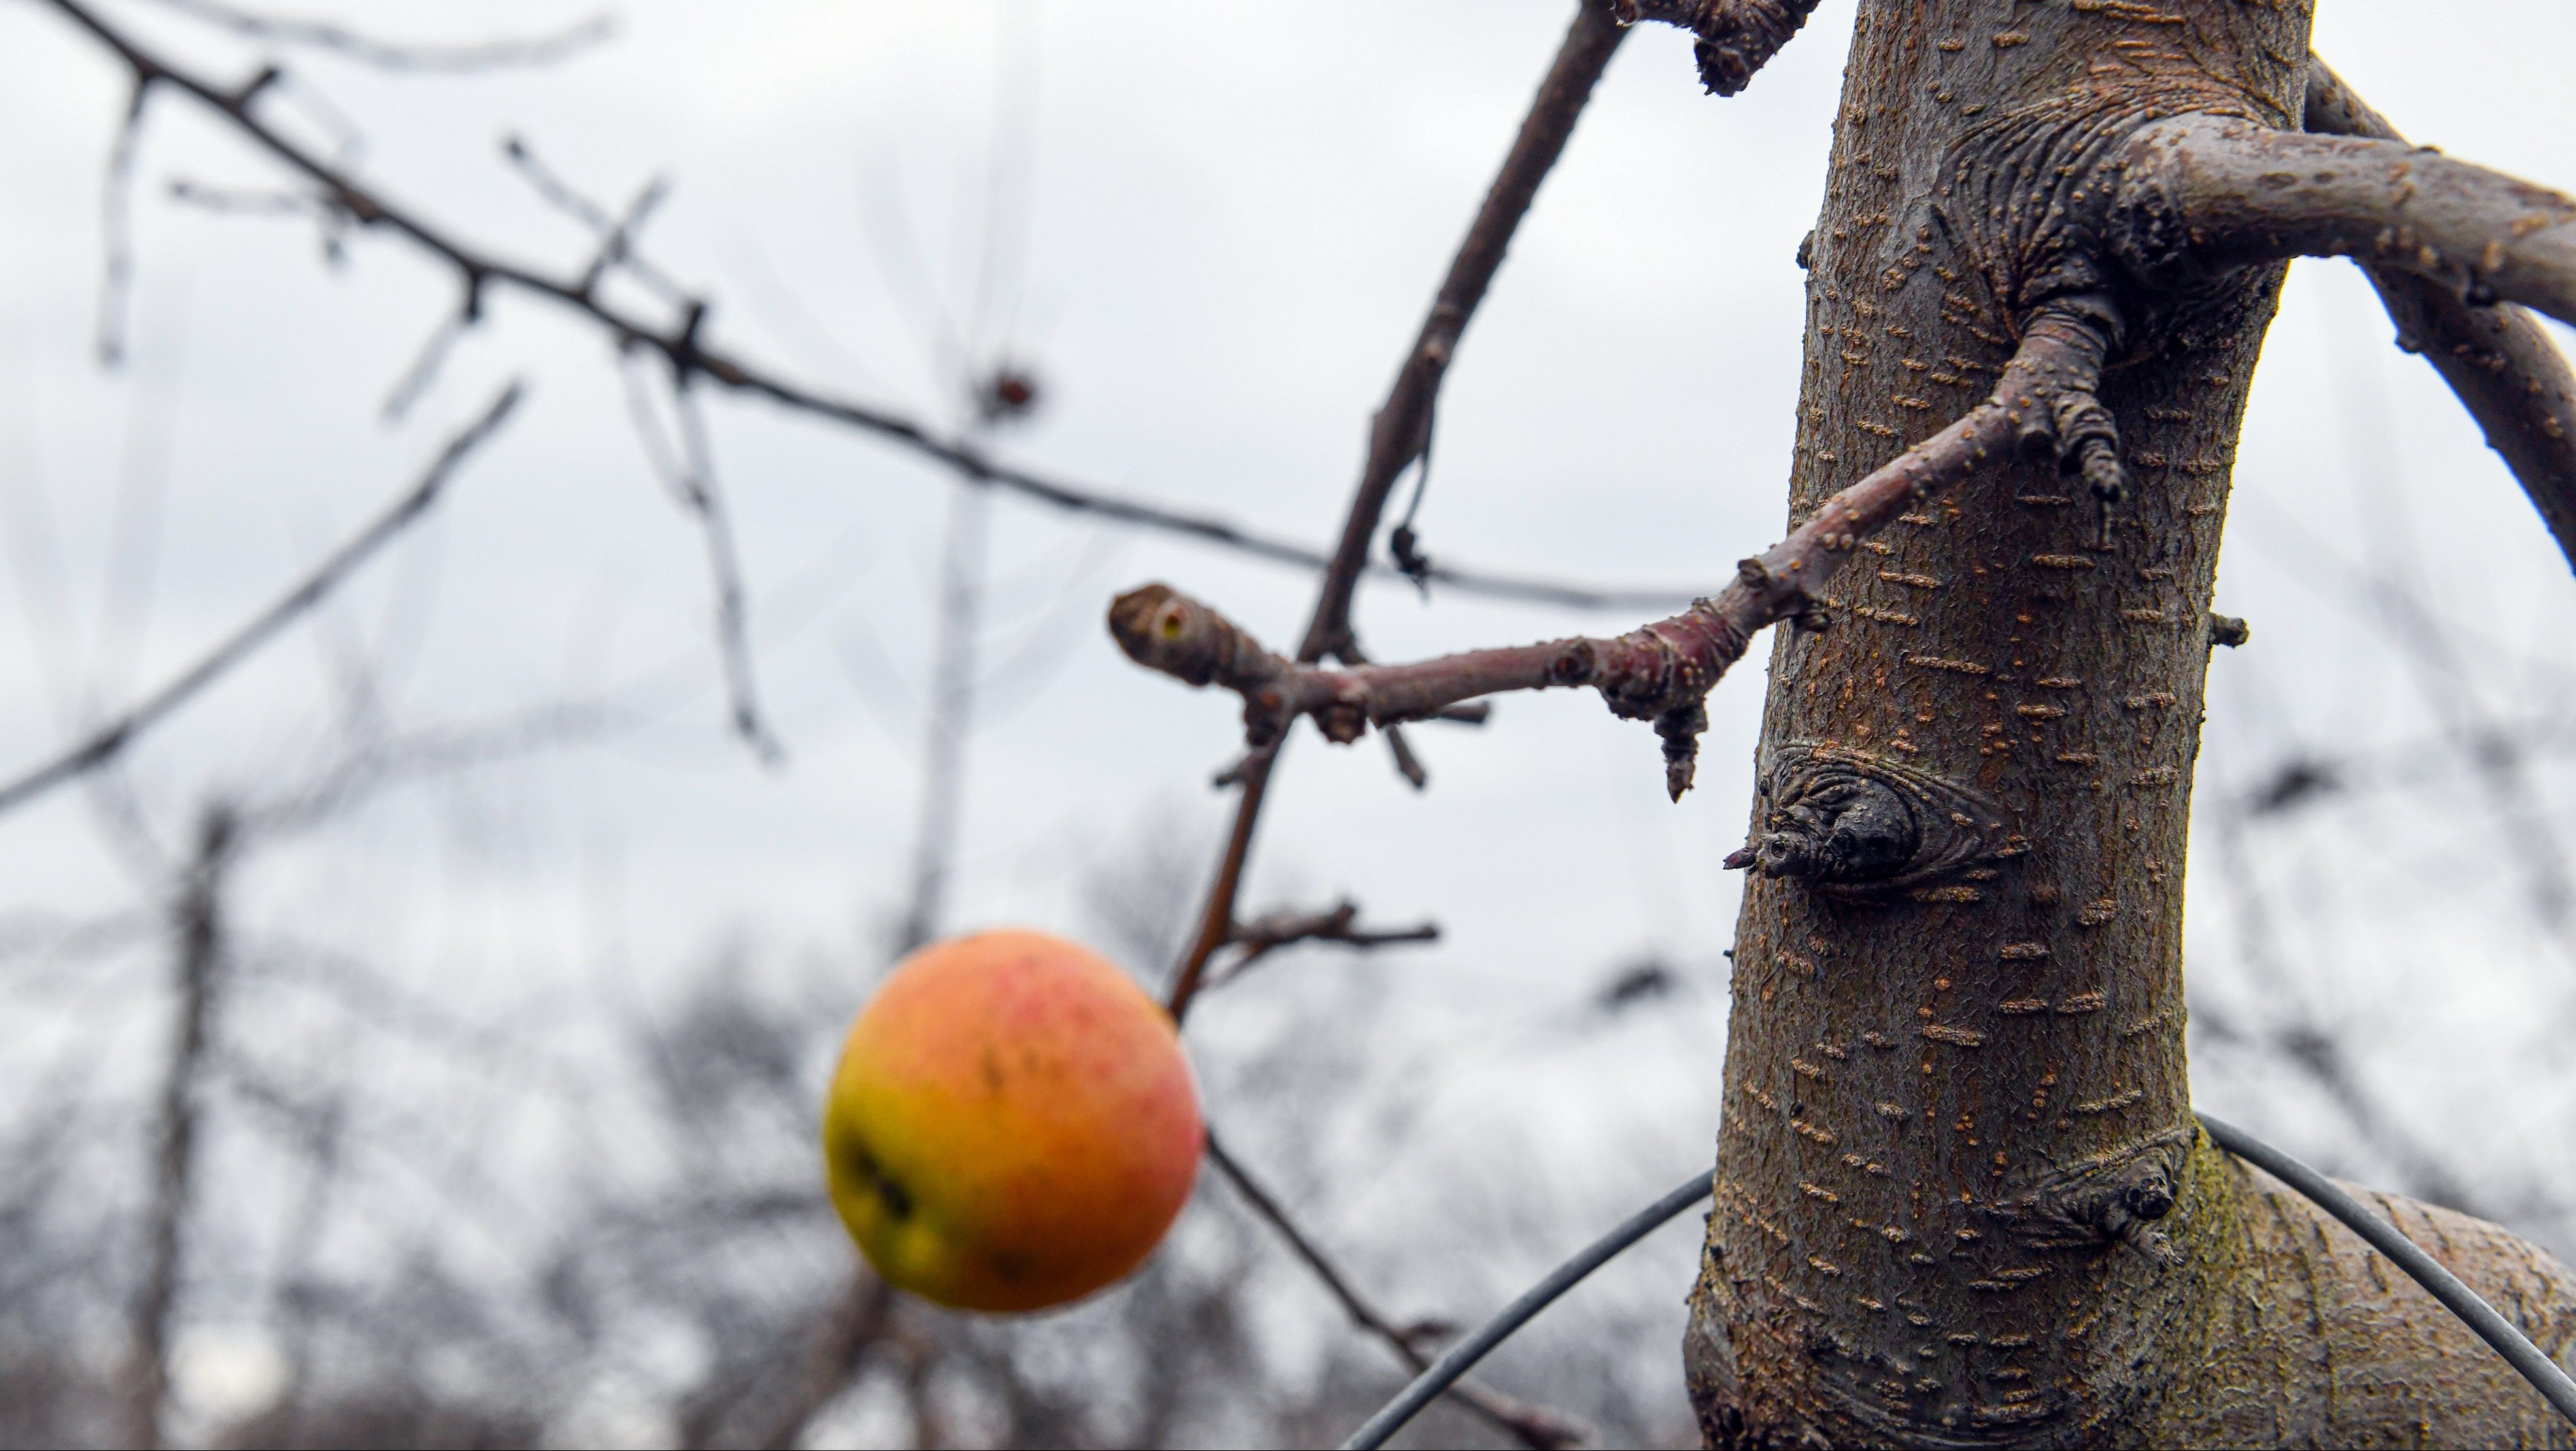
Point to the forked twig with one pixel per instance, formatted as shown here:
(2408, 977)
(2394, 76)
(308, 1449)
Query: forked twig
(1397, 436)
(394, 56)
(1661, 672)
(341, 193)
(1266, 934)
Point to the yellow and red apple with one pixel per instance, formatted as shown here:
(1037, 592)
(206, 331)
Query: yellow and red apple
(1012, 1125)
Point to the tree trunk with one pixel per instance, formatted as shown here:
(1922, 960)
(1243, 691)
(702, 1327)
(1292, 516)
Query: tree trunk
(1960, 1196)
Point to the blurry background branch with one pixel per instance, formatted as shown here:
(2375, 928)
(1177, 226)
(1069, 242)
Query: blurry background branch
(679, 342)
(385, 55)
(107, 741)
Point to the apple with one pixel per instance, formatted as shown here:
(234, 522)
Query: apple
(1012, 1125)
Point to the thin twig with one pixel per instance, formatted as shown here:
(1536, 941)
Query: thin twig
(616, 234)
(683, 348)
(693, 481)
(1272, 931)
(425, 364)
(1531, 1425)
(1402, 426)
(688, 473)
(392, 56)
(198, 933)
(108, 741)
(231, 201)
(1397, 436)
(116, 228)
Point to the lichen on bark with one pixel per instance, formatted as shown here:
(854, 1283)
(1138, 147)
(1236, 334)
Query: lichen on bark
(1960, 1196)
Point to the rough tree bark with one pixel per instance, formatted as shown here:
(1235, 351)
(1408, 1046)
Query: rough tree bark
(1960, 1196)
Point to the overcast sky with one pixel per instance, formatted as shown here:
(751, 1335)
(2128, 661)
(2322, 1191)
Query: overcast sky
(1230, 217)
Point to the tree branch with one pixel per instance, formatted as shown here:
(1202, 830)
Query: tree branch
(1663, 671)
(110, 740)
(1532, 1425)
(2502, 364)
(1400, 431)
(1272, 931)
(389, 56)
(683, 348)
(616, 234)
(2215, 192)
(116, 228)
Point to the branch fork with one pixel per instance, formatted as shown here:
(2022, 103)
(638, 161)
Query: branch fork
(1663, 671)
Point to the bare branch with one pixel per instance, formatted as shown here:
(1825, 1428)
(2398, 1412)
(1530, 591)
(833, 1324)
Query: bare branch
(1268, 933)
(1402, 426)
(1532, 1425)
(2502, 364)
(110, 740)
(232, 201)
(344, 195)
(198, 930)
(432, 356)
(1663, 671)
(2209, 191)
(616, 233)
(390, 56)
(690, 476)
(116, 228)
(1401, 431)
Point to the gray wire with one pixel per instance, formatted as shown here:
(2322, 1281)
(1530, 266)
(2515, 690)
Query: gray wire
(2509, 1342)
(1462, 1357)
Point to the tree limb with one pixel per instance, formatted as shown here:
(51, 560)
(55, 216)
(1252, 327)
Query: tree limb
(1663, 671)
(2502, 364)
(340, 192)
(1401, 430)
(2215, 192)
(110, 740)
